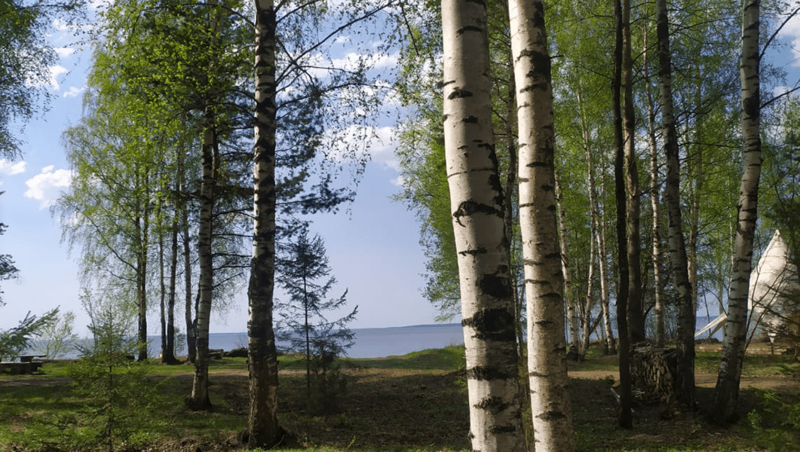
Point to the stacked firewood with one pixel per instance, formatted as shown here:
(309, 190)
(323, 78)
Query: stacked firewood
(653, 373)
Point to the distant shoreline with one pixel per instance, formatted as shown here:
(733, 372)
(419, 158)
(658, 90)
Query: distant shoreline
(427, 325)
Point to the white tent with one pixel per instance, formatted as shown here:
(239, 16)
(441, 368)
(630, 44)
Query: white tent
(773, 283)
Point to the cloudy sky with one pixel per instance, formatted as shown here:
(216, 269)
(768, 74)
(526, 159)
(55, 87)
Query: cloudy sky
(372, 245)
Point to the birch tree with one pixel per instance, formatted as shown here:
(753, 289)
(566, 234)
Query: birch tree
(726, 392)
(262, 355)
(677, 246)
(476, 201)
(550, 403)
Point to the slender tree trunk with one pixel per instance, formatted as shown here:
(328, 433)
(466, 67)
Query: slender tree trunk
(726, 393)
(588, 304)
(571, 300)
(142, 229)
(476, 201)
(308, 341)
(677, 247)
(169, 354)
(635, 310)
(694, 231)
(625, 420)
(509, 217)
(262, 420)
(547, 367)
(199, 399)
(162, 294)
(191, 336)
(655, 204)
(609, 347)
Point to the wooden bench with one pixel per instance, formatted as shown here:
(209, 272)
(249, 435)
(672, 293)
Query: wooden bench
(215, 353)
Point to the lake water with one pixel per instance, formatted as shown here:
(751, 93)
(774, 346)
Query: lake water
(369, 343)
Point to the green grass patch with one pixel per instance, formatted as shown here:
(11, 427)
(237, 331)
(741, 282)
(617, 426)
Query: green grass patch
(415, 402)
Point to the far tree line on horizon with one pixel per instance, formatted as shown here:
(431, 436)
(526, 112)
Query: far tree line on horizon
(575, 185)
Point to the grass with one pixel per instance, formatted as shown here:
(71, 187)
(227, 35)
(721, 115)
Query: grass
(415, 402)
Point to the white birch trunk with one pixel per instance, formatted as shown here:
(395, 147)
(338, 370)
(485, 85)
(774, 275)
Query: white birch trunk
(589, 300)
(571, 299)
(726, 393)
(550, 402)
(599, 237)
(199, 399)
(655, 205)
(677, 246)
(262, 422)
(477, 207)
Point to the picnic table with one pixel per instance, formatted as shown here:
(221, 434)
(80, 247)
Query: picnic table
(31, 358)
(27, 364)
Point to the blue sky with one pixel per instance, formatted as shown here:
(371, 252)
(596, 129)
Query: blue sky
(372, 245)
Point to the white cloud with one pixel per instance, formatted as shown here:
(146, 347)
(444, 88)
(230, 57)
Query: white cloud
(9, 168)
(55, 72)
(74, 91)
(399, 181)
(64, 52)
(46, 186)
(792, 32)
(60, 25)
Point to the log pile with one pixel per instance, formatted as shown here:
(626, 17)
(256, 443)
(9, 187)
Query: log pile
(653, 373)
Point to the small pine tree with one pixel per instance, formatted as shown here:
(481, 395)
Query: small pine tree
(113, 383)
(303, 272)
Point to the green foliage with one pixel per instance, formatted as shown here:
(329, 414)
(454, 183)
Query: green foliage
(16, 340)
(776, 422)
(7, 268)
(115, 387)
(328, 385)
(303, 272)
(57, 337)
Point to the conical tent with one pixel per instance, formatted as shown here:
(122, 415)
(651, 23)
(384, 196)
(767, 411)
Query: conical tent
(774, 293)
(774, 289)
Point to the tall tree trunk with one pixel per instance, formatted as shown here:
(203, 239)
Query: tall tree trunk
(142, 229)
(571, 300)
(199, 399)
(191, 336)
(609, 347)
(550, 403)
(696, 192)
(726, 393)
(163, 292)
(508, 215)
(509, 218)
(476, 200)
(589, 301)
(625, 419)
(635, 309)
(655, 204)
(169, 354)
(677, 247)
(262, 422)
